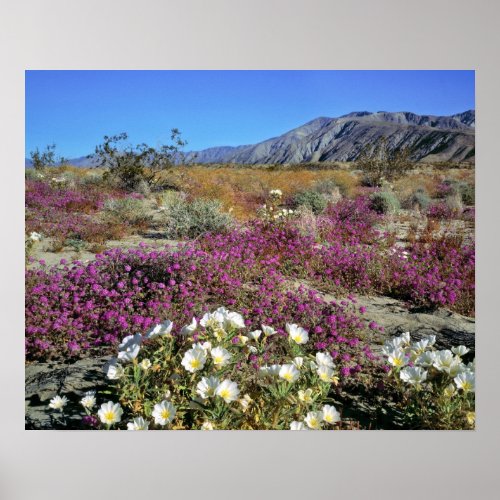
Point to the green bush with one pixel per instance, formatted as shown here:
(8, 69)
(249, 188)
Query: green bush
(384, 202)
(129, 211)
(419, 199)
(313, 200)
(184, 219)
(468, 193)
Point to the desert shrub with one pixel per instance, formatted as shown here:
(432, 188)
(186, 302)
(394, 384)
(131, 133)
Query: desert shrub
(467, 192)
(454, 203)
(131, 166)
(384, 202)
(419, 199)
(325, 187)
(129, 211)
(190, 219)
(313, 200)
(379, 163)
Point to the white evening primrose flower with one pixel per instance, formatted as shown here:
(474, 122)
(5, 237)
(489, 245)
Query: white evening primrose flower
(227, 390)
(130, 347)
(305, 396)
(330, 414)
(194, 360)
(145, 364)
(431, 339)
(212, 320)
(188, 330)
(220, 356)
(34, 236)
(160, 330)
(405, 338)
(298, 362)
(313, 420)
(207, 426)
(138, 424)
(113, 369)
(269, 371)
(325, 374)
(444, 360)
(413, 375)
(233, 320)
(324, 359)
(460, 350)
(110, 413)
(426, 359)
(289, 373)
(88, 401)
(450, 390)
(297, 426)
(243, 339)
(471, 417)
(466, 381)
(163, 412)
(206, 387)
(58, 402)
(419, 347)
(255, 334)
(245, 402)
(253, 349)
(397, 358)
(392, 344)
(297, 333)
(268, 330)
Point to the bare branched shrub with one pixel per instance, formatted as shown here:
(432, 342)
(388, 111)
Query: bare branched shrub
(380, 163)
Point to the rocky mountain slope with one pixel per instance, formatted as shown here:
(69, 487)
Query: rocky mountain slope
(430, 138)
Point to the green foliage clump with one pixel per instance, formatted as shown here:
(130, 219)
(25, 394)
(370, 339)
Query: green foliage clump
(384, 202)
(467, 192)
(129, 211)
(418, 199)
(190, 219)
(313, 200)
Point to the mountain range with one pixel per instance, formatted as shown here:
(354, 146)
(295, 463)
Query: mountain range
(428, 137)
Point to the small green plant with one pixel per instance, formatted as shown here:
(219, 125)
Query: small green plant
(183, 218)
(384, 202)
(467, 191)
(313, 200)
(43, 159)
(418, 199)
(129, 211)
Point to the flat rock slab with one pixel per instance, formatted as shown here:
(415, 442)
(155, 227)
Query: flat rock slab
(450, 329)
(43, 381)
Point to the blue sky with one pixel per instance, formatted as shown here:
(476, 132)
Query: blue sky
(75, 109)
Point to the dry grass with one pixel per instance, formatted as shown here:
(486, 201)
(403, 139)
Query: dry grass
(244, 189)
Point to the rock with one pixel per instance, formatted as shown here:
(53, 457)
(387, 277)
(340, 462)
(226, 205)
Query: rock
(450, 329)
(43, 381)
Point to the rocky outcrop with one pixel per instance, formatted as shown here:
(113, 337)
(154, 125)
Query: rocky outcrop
(43, 381)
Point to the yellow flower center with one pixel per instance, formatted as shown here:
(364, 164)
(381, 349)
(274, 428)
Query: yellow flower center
(109, 416)
(218, 359)
(398, 362)
(224, 394)
(195, 363)
(297, 338)
(165, 414)
(288, 376)
(466, 386)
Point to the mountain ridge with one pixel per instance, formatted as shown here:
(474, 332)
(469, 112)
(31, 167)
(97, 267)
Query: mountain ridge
(429, 138)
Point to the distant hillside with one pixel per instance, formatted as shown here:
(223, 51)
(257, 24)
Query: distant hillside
(429, 138)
